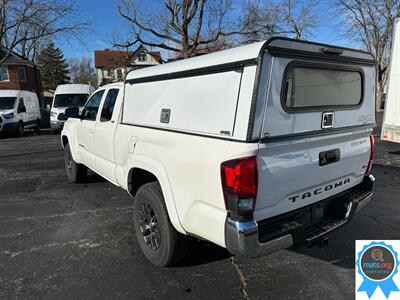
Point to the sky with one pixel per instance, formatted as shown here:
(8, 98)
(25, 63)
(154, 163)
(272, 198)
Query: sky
(104, 20)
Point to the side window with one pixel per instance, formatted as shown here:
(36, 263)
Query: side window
(21, 106)
(108, 106)
(4, 74)
(92, 106)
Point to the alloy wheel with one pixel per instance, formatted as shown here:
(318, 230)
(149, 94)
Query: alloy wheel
(148, 223)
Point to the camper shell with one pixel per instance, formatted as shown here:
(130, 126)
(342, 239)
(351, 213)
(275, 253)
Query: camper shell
(238, 78)
(256, 148)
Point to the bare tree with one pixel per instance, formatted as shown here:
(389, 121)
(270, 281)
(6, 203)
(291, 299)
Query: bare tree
(180, 26)
(300, 17)
(371, 23)
(26, 25)
(286, 17)
(264, 21)
(82, 71)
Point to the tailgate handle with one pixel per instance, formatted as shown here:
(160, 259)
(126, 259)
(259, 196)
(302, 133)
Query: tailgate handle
(329, 157)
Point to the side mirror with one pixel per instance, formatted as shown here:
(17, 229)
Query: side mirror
(71, 112)
(84, 114)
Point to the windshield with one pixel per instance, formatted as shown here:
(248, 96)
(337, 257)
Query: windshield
(70, 100)
(7, 102)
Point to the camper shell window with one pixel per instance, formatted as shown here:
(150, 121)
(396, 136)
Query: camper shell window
(313, 86)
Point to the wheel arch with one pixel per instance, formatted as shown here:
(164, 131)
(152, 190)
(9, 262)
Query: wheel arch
(141, 170)
(66, 139)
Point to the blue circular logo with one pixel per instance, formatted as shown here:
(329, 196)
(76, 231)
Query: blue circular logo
(377, 263)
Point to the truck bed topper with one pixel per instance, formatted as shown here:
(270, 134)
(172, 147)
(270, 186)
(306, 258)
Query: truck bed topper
(248, 55)
(232, 76)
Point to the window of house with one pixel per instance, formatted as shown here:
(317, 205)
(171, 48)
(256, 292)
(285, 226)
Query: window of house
(142, 56)
(4, 74)
(108, 72)
(119, 74)
(108, 106)
(22, 73)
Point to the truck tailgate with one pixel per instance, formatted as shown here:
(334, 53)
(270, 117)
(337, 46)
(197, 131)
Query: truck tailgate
(315, 138)
(291, 175)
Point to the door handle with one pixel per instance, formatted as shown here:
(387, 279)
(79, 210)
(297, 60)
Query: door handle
(132, 144)
(91, 131)
(329, 157)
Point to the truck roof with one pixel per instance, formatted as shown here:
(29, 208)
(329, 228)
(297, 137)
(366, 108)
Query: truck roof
(74, 89)
(13, 93)
(249, 54)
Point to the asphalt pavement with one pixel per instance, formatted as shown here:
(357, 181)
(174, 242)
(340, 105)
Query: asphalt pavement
(74, 241)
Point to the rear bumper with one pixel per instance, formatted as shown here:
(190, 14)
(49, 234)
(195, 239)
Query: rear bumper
(299, 227)
(56, 125)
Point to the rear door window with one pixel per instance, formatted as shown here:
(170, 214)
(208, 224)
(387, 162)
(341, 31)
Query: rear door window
(312, 86)
(108, 106)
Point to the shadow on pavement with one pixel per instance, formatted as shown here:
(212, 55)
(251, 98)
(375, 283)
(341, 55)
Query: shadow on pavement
(93, 178)
(202, 252)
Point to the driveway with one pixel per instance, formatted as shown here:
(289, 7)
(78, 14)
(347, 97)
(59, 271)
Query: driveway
(60, 240)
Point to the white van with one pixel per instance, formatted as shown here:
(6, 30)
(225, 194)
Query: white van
(68, 95)
(19, 110)
(256, 149)
(391, 119)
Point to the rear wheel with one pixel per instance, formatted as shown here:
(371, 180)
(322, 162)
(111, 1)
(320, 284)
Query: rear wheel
(161, 244)
(37, 126)
(20, 129)
(76, 173)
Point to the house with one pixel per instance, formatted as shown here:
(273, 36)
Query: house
(112, 65)
(48, 96)
(18, 73)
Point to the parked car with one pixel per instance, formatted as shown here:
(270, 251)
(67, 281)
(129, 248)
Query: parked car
(19, 110)
(68, 95)
(256, 149)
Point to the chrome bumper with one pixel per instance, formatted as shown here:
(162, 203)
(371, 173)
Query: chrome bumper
(56, 125)
(242, 238)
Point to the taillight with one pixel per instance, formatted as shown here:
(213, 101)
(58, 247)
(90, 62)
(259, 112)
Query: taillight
(239, 184)
(371, 153)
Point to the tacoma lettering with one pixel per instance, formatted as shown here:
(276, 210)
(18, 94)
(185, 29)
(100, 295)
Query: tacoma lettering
(320, 190)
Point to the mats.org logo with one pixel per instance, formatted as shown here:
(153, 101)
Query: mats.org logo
(377, 270)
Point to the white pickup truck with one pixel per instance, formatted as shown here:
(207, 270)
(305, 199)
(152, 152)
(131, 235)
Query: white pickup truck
(256, 149)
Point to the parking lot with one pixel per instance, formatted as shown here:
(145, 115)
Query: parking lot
(59, 240)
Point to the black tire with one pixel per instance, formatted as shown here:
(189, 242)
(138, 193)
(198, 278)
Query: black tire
(37, 126)
(20, 129)
(161, 244)
(76, 173)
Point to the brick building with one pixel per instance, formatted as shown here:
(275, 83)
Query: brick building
(18, 73)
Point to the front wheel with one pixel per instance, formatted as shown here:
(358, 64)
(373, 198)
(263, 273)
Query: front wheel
(161, 244)
(20, 129)
(76, 173)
